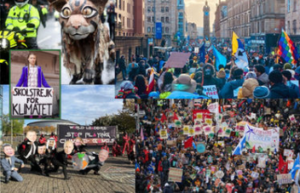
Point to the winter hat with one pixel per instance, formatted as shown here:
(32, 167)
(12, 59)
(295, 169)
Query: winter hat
(248, 87)
(187, 84)
(250, 75)
(287, 74)
(261, 92)
(287, 66)
(221, 74)
(126, 85)
(275, 77)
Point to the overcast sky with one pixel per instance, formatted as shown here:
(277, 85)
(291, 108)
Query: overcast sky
(194, 11)
(81, 103)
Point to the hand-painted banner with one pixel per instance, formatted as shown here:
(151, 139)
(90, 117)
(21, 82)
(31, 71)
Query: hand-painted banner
(91, 135)
(191, 131)
(27, 101)
(265, 139)
(284, 179)
(198, 121)
(175, 175)
(211, 91)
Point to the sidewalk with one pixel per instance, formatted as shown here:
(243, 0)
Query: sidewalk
(116, 176)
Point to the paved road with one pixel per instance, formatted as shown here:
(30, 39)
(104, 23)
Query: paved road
(116, 176)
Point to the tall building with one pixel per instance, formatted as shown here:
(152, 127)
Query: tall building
(267, 20)
(206, 24)
(292, 21)
(130, 30)
(192, 31)
(181, 21)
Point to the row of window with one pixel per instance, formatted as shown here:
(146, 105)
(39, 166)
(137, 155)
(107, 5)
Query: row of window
(294, 28)
(162, 19)
(289, 3)
(121, 5)
(163, 9)
(163, 30)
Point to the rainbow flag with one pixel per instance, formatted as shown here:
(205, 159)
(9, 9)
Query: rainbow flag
(287, 49)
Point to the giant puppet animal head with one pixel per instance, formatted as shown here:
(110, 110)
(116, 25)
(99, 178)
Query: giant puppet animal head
(85, 40)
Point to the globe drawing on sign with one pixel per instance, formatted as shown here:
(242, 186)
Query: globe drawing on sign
(228, 131)
(211, 135)
(81, 161)
(177, 123)
(200, 148)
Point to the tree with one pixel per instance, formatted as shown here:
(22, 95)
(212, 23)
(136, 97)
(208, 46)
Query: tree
(17, 125)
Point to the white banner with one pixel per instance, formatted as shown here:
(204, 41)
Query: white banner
(32, 101)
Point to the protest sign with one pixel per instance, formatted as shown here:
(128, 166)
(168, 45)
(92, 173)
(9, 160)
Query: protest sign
(81, 161)
(290, 163)
(249, 190)
(292, 118)
(186, 129)
(207, 129)
(171, 143)
(254, 175)
(177, 123)
(288, 153)
(27, 101)
(199, 116)
(265, 139)
(175, 174)
(198, 121)
(198, 129)
(284, 179)
(191, 131)
(163, 134)
(208, 173)
(213, 107)
(208, 121)
(201, 148)
(210, 91)
(91, 135)
(262, 161)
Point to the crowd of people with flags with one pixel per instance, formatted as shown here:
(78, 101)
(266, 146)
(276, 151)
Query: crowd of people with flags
(219, 146)
(214, 72)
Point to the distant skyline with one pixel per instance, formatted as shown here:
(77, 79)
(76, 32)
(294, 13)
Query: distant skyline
(194, 11)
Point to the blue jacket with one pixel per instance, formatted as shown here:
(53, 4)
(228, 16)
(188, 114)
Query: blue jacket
(227, 91)
(5, 165)
(24, 78)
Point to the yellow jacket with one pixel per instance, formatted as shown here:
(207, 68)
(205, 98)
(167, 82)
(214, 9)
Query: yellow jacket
(16, 18)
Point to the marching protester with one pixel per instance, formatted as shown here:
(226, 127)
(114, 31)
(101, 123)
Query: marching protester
(231, 152)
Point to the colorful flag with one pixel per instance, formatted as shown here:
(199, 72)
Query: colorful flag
(287, 49)
(296, 167)
(175, 116)
(240, 146)
(163, 118)
(220, 59)
(239, 51)
(282, 166)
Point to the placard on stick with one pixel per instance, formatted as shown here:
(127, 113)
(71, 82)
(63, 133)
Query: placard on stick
(32, 101)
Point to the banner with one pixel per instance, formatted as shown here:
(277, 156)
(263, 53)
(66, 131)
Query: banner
(91, 135)
(32, 101)
(163, 134)
(284, 179)
(191, 131)
(288, 153)
(175, 175)
(198, 122)
(265, 139)
(198, 129)
(196, 111)
(210, 91)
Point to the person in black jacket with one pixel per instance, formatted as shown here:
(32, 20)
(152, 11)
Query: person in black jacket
(278, 89)
(60, 159)
(122, 66)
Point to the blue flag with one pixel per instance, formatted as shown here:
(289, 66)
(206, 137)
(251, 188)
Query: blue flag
(202, 54)
(240, 146)
(220, 59)
(296, 167)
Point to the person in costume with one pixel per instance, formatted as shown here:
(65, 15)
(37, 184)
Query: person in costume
(8, 164)
(125, 142)
(116, 149)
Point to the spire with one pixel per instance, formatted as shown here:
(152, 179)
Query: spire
(206, 3)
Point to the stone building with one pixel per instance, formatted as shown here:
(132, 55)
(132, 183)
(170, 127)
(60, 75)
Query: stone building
(192, 31)
(206, 24)
(292, 21)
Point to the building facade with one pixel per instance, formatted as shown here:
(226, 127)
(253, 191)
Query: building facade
(206, 23)
(292, 21)
(267, 20)
(192, 31)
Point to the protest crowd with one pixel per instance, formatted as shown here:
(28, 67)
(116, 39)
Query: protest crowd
(211, 73)
(227, 146)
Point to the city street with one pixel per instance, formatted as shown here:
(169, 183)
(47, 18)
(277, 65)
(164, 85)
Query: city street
(49, 37)
(117, 175)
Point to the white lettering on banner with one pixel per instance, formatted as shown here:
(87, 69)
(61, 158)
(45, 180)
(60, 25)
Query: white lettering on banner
(27, 101)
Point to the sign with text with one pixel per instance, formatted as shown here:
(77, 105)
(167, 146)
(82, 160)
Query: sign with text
(32, 101)
(175, 175)
(284, 179)
(211, 91)
(91, 135)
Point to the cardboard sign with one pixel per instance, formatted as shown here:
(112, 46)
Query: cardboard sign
(199, 116)
(171, 143)
(81, 161)
(103, 155)
(163, 134)
(292, 118)
(27, 101)
(175, 175)
(211, 91)
(208, 121)
(284, 179)
(207, 129)
(254, 175)
(288, 153)
(213, 107)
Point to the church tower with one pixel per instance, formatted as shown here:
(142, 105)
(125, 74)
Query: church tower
(206, 24)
